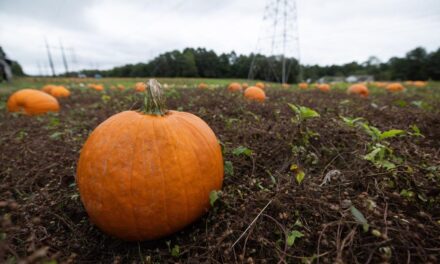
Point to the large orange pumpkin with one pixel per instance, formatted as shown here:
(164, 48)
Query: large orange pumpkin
(145, 175)
(260, 85)
(324, 87)
(359, 89)
(395, 87)
(303, 85)
(234, 87)
(140, 86)
(203, 86)
(59, 91)
(255, 93)
(32, 102)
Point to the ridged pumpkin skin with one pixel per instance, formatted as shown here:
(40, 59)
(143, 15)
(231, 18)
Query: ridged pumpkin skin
(234, 87)
(32, 102)
(142, 177)
(59, 91)
(255, 93)
(359, 89)
(395, 87)
(324, 87)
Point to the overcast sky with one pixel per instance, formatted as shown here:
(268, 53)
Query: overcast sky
(105, 33)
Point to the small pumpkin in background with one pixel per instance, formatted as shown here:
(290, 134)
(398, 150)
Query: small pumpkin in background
(255, 93)
(32, 102)
(121, 87)
(97, 87)
(303, 85)
(234, 87)
(420, 84)
(395, 87)
(260, 85)
(285, 86)
(143, 175)
(140, 86)
(324, 87)
(245, 85)
(203, 86)
(358, 89)
(59, 91)
(47, 88)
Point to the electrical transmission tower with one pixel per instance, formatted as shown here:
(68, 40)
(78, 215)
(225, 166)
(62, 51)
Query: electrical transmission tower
(278, 41)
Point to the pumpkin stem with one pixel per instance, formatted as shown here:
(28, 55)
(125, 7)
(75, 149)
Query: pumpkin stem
(154, 100)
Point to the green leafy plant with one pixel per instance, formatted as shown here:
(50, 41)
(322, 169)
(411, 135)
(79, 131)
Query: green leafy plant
(229, 168)
(293, 235)
(242, 151)
(380, 152)
(351, 122)
(213, 197)
(360, 218)
(302, 114)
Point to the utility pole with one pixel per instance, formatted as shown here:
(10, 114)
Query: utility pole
(49, 57)
(66, 67)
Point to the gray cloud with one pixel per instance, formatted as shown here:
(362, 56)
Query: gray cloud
(107, 33)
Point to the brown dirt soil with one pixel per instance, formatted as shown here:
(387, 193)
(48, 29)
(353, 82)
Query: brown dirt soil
(42, 217)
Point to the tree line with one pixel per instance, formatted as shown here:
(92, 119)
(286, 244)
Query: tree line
(417, 64)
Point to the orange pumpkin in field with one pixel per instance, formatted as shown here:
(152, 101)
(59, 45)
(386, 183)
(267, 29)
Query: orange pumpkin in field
(245, 85)
(303, 85)
(121, 87)
(234, 87)
(143, 175)
(395, 87)
(285, 86)
(255, 93)
(260, 85)
(140, 86)
(359, 89)
(420, 84)
(59, 91)
(32, 102)
(324, 87)
(47, 88)
(97, 87)
(203, 86)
